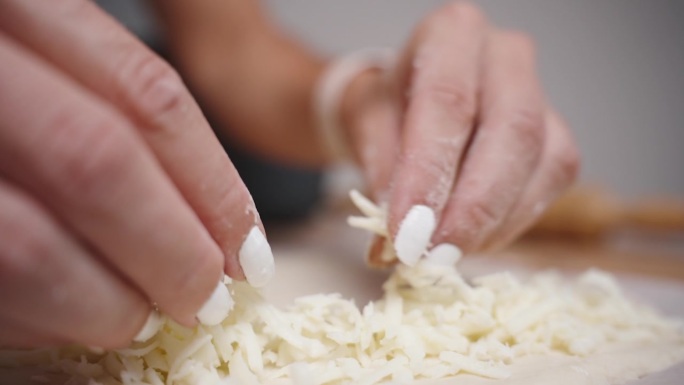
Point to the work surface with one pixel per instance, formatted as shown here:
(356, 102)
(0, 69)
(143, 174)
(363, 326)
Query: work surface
(324, 255)
(650, 271)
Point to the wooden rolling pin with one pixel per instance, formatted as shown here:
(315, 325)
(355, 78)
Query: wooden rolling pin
(591, 212)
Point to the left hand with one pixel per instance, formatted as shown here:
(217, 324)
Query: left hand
(461, 141)
(114, 192)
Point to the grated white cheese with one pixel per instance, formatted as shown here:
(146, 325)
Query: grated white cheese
(430, 324)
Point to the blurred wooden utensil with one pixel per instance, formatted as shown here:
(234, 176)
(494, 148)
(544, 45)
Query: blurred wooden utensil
(593, 212)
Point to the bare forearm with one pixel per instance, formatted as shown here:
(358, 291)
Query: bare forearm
(248, 74)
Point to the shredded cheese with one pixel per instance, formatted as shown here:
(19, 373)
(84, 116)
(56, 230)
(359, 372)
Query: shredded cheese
(430, 324)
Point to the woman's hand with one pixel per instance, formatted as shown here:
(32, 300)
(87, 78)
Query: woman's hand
(114, 192)
(460, 140)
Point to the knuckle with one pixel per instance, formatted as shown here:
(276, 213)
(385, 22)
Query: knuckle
(470, 224)
(151, 85)
(431, 165)
(564, 158)
(476, 222)
(481, 215)
(87, 155)
(528, 126)
(458, 99)
(568, 165)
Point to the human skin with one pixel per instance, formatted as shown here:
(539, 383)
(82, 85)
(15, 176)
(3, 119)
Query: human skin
(477, 142)
(113, 184)
(460, 125)
(114, 191)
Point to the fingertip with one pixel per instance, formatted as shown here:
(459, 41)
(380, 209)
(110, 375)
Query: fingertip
(122, 331)
(444, 254)
(414, 234)
(217, 307)
(256, 258)
(152, 325)
(242, 239)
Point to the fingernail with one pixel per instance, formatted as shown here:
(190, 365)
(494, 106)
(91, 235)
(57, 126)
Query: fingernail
(256, 258)
(150, 328)
(217, 307)
(414, 234)
(444, 254)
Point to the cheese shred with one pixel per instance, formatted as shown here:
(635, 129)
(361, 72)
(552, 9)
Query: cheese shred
(429, 324)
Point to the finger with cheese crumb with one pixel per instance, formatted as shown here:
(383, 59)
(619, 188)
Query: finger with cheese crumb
(506, 149)
(440, 72)
(116, 66)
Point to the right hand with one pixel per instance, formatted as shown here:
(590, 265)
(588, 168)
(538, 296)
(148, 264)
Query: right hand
(458, 138)
(114, 192)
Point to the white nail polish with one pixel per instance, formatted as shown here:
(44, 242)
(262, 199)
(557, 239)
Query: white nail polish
(256, 258)
(150, 328)
(414, 234)
(444, 254)
(217, 307)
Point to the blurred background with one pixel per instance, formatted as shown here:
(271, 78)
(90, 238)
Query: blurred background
(615, 69)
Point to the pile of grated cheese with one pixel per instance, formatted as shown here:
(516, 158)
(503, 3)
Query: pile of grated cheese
(431, 323)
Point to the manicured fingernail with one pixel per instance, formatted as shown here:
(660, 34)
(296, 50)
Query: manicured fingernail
(414, 234)
(217, 307)
(256, 258)
(444, 254)
(150, 328)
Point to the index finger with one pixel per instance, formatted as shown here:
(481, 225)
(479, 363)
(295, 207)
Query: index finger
(85, 42)
(443, 71)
